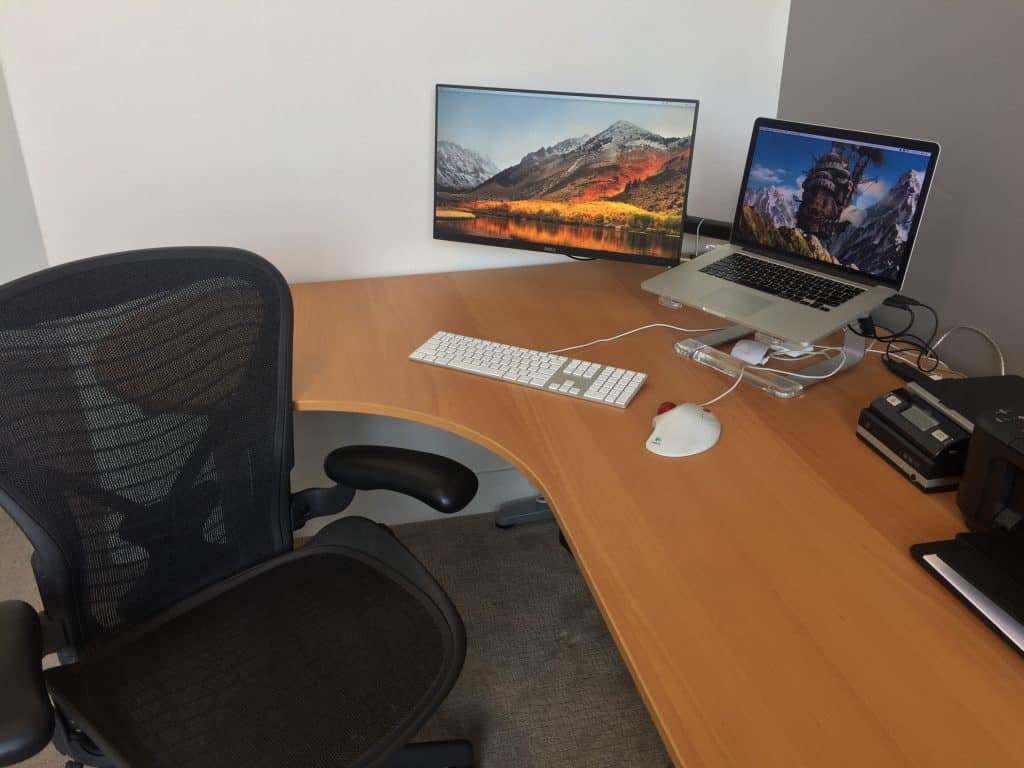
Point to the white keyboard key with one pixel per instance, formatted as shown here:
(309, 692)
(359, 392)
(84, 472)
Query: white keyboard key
(473, 368)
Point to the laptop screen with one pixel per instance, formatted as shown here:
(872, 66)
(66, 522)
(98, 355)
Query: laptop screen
(846, 202)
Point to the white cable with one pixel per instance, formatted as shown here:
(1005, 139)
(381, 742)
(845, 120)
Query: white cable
(816, 349)
(839, 366)
(696, 242)
(635, 330)
(739, 378)
(980, 332)
(783, 356)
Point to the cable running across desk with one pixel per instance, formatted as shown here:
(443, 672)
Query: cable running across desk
(634, 330)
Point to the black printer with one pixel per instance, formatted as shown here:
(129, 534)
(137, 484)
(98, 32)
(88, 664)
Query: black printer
(985, 566)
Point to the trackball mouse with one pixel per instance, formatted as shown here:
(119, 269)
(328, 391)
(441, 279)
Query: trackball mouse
(683, 431)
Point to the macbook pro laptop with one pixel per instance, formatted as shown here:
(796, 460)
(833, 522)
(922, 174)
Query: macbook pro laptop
(824, 227)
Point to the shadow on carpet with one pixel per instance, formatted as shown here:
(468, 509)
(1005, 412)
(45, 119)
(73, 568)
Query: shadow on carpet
(543, 684)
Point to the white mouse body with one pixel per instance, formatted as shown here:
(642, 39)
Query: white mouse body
(683, 431)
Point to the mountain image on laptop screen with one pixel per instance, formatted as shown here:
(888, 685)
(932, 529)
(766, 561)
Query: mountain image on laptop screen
(560, 171)
(834, 201)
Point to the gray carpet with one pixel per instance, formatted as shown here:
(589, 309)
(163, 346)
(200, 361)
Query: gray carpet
(543, 685)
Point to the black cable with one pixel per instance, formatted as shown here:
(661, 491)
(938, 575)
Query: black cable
(935, 324)
(906, 302)
(925, 350)
(914, 344)
(580, 258)
(874, 334)
(903, 341)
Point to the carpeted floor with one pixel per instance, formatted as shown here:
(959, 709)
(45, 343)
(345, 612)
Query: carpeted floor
(543, 685)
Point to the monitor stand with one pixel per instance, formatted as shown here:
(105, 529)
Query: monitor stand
(784, 385)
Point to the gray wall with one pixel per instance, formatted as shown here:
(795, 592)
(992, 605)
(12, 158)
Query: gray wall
(947, 71)
(21, 244)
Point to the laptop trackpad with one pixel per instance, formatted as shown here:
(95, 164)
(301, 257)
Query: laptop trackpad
(734, 303)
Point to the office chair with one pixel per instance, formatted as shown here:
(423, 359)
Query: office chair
(145, 449)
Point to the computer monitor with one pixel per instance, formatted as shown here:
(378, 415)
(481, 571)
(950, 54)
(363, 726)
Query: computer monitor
(576, 174)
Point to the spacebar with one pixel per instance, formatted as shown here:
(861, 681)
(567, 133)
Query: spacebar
(474, 369)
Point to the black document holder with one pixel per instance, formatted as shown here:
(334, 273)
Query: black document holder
(991, 563)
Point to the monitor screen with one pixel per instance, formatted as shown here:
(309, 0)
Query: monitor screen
(848, 200)
(576, 174)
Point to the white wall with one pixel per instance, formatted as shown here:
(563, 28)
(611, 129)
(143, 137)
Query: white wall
(21, 244)
(303, 130)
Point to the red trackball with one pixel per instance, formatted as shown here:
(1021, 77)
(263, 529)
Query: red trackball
(666, 406)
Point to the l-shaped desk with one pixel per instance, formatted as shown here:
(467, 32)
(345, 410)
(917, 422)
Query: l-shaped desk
(761, 593)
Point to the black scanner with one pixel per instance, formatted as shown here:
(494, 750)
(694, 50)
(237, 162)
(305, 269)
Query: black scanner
(991, 493)
(984, 567)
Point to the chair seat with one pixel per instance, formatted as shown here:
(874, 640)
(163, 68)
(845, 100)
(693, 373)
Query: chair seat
(317, 658)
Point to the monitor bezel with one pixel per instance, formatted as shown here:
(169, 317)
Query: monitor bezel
(844, 134)
(577, 253)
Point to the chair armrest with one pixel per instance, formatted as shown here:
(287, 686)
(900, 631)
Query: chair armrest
(26, 715)
(318, 502)
(444, 484)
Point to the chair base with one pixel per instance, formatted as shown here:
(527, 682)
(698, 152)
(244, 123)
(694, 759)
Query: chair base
(530, 509)
(434, 754)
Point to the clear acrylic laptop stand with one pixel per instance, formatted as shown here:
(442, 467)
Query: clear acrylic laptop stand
(784, 385)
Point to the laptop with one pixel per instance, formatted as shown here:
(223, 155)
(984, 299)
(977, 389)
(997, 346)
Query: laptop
(824, 227)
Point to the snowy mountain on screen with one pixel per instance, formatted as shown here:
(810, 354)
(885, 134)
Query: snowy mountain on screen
(561, 148)
(774, 205)
(877, 244)
(611, 165)
(622, 135)
(460, 169)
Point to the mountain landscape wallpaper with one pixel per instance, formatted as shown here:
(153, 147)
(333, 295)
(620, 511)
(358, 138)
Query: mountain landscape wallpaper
(574, 172)
(833, 201)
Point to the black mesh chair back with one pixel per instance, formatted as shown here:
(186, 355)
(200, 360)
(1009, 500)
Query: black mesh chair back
(145, 436)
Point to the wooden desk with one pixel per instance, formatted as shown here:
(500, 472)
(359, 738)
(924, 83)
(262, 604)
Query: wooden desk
(760, 593)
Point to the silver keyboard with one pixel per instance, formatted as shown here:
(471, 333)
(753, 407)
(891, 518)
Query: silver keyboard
(554, 373)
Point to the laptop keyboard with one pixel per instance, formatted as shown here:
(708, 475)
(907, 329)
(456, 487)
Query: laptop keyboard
(792, 284)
